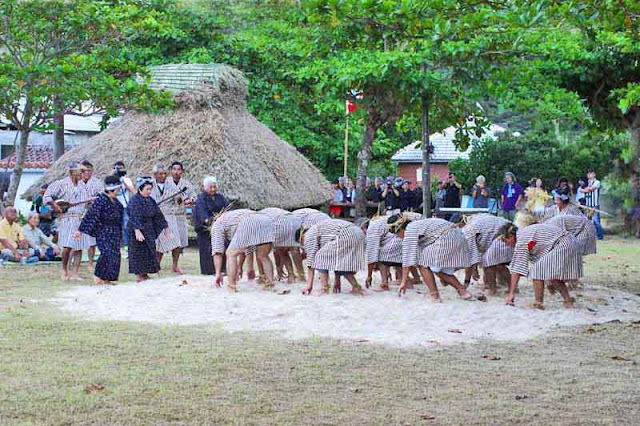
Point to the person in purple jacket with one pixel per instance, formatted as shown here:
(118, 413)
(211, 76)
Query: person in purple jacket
(511, 196)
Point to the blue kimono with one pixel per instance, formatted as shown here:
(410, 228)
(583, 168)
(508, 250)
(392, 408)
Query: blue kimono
(205, 209)
(103, 221)
(145, 215)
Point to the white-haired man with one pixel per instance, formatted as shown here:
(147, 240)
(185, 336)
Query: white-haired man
(43, 246)
(208, 204)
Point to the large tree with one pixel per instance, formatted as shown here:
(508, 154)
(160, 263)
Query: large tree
(60, 57)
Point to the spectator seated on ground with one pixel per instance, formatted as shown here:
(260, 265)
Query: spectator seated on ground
(42, 245)
(14, 246)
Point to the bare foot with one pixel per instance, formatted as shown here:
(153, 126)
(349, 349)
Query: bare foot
(307, 290)
(434, 297)
(65, 277)
(251, 275)
(177, 271)
(98, 281)
(465, 295)
(382, 288)
(568, 304)
(357, 291)
(536, 306)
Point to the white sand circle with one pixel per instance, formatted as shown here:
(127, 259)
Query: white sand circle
(376, 317)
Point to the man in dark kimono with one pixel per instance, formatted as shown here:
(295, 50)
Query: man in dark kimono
(208, 204)
(103, 221)
(146, 222)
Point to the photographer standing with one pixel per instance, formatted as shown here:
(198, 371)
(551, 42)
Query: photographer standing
(391, 197)
(452, 196)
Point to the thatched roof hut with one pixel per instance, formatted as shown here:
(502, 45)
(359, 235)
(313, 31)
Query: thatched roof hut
(212, 133)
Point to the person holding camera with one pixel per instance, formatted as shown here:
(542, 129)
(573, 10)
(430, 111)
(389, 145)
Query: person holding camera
(391, 197)
(452, 196)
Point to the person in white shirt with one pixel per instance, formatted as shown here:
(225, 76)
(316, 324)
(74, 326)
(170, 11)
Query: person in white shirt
(592, 198)
(43, 246)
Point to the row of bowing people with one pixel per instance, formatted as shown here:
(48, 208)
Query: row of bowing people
(548, 248)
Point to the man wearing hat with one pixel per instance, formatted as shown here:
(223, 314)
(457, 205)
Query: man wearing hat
(74, 191)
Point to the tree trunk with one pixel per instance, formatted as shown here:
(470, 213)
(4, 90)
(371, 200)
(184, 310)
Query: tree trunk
(21, 156)
(58, 134)
(426, 163)
(364, 157)
(635, 158)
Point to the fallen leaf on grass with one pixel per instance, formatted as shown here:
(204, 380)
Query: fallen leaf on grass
(428, 417)
(491, 357)
(285, 292)
(454, 330)
(362, 340)
(354, 390)
(619, 358)
(521, 397)
(591, 330)
(591, 310)
(482, 298)
(93, 388)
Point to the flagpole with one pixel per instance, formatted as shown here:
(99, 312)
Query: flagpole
(346, 145)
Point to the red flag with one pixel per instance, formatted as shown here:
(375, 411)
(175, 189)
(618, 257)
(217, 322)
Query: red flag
(351, 106)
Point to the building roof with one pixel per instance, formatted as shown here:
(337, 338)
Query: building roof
(38, 157)
(444, 150)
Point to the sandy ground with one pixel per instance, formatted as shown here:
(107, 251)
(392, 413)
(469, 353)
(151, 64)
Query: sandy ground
(382, 318)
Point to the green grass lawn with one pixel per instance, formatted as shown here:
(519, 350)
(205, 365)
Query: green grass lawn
(56, 369)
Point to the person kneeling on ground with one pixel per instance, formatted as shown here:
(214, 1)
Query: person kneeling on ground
(42, 245)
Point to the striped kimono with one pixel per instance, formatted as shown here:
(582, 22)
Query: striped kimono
(485, 248)
(69, 222)
(335, 245)
(554, 211)
(434, 243)
(285, 226)
(174, 214)
(310, 217)
(553, 253)
(581, 228)
(241, 229)
(382, 245)
(94, 188)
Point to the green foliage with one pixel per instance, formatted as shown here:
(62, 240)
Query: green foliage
(537, 156)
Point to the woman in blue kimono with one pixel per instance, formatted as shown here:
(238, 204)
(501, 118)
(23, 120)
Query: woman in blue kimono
(146, 222)
(103, 221)
(208, 204)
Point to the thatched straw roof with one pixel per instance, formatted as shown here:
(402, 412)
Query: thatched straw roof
(212, 133)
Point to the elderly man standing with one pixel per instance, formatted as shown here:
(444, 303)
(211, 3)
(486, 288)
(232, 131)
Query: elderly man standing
(71, 189)
(165, 196)
(14, 246)
(208, 204)
(42, 245)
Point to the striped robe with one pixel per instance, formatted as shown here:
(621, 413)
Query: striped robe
(335, 245)
(69, 222)
(554, 254)
(434, 243)
(484, 248)
(241, 229)
(285, 226)
(94, 188)
(165, 244)
(382, 245)
(581, 228)
(310, 217)
(554, 211)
